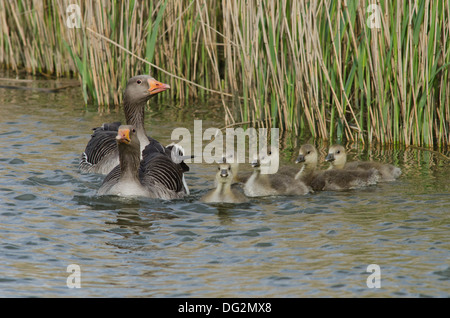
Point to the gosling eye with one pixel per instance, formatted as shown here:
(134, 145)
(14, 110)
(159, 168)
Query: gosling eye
(218, 168)
(139, 82)
(309, 152)
(229, 168)
(338, 151)
(270, 152)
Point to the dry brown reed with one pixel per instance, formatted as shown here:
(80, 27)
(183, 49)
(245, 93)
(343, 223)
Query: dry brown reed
(365, 71)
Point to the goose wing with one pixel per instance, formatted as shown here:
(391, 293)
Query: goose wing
(179, 151)
(158, 169)
(101, 154)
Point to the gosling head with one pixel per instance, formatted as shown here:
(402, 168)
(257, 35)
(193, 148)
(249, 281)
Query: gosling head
(233, 160)
(268, 161)
(224, 173)
(337, 156)
(308, 155)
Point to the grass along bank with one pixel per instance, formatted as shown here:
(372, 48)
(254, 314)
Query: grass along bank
(336, 70)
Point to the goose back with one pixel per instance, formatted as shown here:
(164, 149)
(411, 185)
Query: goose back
(155, 176)
(335, 180)
(101, 154)
(387, 172)
(337, 157)
(271, 185)
(157, 170)
(331, 180)
(282, 182)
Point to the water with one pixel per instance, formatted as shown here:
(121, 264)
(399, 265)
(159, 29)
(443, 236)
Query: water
(319, 245)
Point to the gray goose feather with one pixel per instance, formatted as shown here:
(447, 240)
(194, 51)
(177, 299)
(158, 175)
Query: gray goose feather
(101, 154)
(337, 157)
(264, 183)
(155, 176)
(331, 180)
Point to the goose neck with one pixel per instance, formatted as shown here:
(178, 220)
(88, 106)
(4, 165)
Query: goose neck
(129, 164)
(223, 188)
(305, 170)
(134, 113)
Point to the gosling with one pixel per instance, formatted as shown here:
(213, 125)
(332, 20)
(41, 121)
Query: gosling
(238, 177)
(330, 180)
(337, 157)
(264, 183)
(224, 193)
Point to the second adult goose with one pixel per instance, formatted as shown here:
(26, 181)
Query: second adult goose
(155, 176)
(101, 154)
(264, 183)
(334, 180)
(337, 157)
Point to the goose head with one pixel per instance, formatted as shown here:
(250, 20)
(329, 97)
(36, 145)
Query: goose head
(268, 160)
(232, 159)
(224, 173)
(129, 149)
(126, 135)
(307, 155)
(141, 88)
(337, 156)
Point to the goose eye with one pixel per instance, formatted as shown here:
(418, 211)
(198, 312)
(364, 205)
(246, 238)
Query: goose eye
(139, 81)
(134, 130)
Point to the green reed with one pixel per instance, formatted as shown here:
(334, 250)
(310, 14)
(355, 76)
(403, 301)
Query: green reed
(333, 70)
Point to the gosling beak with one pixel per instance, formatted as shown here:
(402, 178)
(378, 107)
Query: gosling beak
(224, 173)
(300, 158)
(123, 136)
(329, 157)
(255, 163)
(156, 87)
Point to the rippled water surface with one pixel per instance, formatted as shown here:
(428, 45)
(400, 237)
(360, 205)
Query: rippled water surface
(319, 245)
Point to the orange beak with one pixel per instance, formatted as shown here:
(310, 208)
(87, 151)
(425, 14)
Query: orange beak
(123, 135)
(156, 87)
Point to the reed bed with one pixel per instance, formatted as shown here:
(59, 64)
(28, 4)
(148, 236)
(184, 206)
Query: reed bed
(334, 70)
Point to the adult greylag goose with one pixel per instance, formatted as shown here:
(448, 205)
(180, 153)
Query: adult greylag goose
(155, 176)
(333, 180)
(224, 192)
(101, 154)
(264, 181)
(337, 157)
